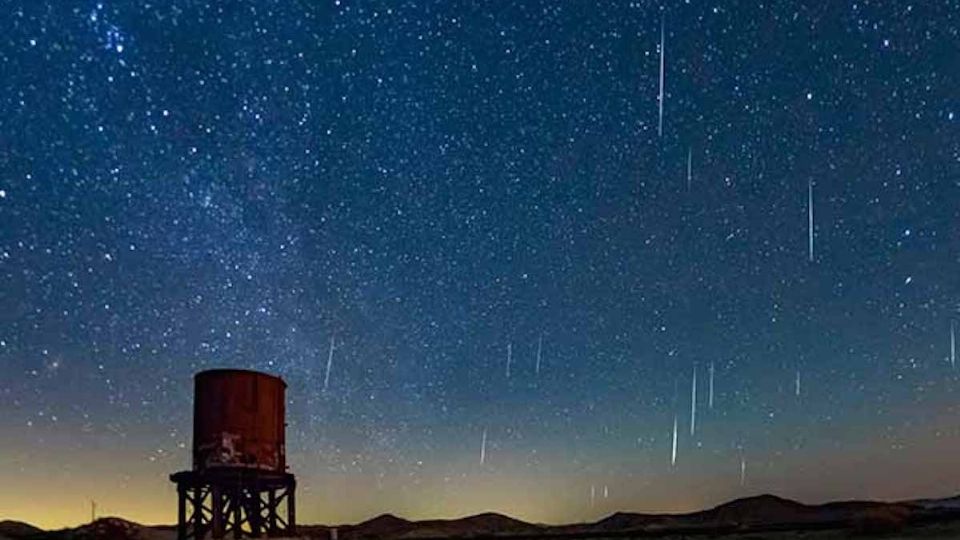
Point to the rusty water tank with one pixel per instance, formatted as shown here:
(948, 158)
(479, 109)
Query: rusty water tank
(238, 420)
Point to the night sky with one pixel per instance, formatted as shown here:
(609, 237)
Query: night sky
(520, 271)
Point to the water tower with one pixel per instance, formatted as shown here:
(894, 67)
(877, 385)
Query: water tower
(239, 481)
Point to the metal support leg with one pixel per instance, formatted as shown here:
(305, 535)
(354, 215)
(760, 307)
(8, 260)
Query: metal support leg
(198, 512)
(291, 509)
(181, 513)
(272, 515)
(237, 507)
(216, 504)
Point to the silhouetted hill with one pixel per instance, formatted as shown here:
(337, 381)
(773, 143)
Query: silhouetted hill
(750, 512)
(109, 528)
(757, 510)
(481, 524)
(633, 521)
(388, 526)
(948, 503)
(382, 525)
(759, 513)
(17, 529)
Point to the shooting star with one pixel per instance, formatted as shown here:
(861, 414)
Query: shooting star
(663, 23)
(953, 345)
(539, 353)
(483, 447)
(743, 470)
(710, 393)
(693, 403)
(326, 378)
(673, 454)
(810, 218)
(509, 357)
(797, 384)
(689, 168)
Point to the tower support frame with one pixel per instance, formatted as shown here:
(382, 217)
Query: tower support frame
(241, 501)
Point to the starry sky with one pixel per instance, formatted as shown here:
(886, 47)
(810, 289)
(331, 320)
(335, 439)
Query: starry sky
(519, 263)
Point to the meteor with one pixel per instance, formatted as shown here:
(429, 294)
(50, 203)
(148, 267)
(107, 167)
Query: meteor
(326, 378)
(710, 393)
(673, 455)
(663, 23)
(810, 218)
(483, 447)
(693, 403)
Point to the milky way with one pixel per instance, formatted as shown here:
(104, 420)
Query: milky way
(385, 203)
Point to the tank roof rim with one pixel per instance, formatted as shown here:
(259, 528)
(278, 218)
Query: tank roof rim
(227, 371)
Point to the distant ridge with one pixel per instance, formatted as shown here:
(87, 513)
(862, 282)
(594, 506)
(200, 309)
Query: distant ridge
(749, 514)
(489, 523)
(111, 528)
(384, 525)
(759, 511)
(17, 529)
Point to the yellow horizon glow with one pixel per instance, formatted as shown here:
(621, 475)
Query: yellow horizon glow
(127, 484)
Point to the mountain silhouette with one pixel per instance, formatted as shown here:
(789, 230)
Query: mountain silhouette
(758, 513)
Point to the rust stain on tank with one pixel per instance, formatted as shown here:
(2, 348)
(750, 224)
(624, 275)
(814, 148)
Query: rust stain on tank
(238, 420)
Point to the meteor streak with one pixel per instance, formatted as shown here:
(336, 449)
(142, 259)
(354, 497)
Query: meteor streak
(663, 23)
(710, 393)
(693, 403)
(539, 353)
(953, 345)
(326, 377)
(673, 455)
(810, 218)
(483, 447)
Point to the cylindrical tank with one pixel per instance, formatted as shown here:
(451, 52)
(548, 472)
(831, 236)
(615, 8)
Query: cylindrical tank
(238, 420)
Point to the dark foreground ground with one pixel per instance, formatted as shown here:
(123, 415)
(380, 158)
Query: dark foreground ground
(765, 517)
